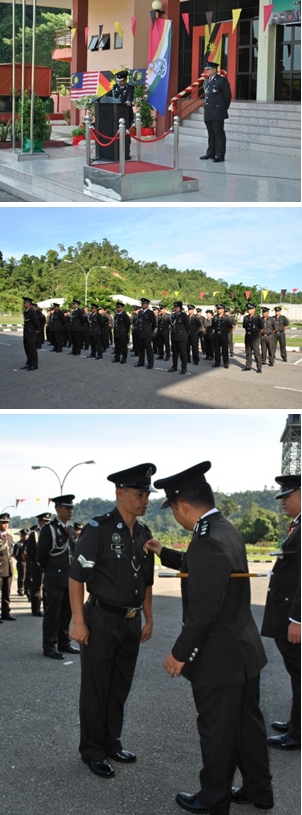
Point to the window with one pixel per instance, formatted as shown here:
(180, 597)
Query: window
(288, 56)
(118, 42)
(247, 59)
(93, 45)
(104, 43)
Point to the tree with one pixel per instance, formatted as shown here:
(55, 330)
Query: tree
(48, 22)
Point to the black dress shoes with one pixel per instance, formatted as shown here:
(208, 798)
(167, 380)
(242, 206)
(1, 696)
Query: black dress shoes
(190, 802)
(24, 368)
(71, 650)
(54, 654)
(138, 365)
(32, 368)
(217, 160)
(182, 372)
(149, 367)
(284, 742)
(171, 369)
(101, 768)
(245, 369)
(238, 797)
(37, 614)
(124, 756)
(9, 617)
(204, 158)
(281, 727)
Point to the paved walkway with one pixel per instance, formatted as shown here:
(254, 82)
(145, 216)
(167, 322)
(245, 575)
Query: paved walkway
(248, 177)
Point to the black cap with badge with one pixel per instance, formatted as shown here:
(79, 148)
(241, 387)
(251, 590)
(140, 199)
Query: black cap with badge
(187, 478)
(288, 484)
(138, 477)
(63, 500)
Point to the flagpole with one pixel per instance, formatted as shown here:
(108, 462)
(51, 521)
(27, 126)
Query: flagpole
(33, 56)
(13, 76)
(23, 71)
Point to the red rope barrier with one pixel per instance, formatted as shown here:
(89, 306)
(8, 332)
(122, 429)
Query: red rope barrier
(157, 138)
(100, 134)
(109, 143)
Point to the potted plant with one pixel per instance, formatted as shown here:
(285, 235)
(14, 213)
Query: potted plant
(146, 111)
(41, 124)
(86, 104)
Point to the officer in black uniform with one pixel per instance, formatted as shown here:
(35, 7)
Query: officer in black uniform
(282, 615)
(111, 557)
(123, 91)
(6, 566)
(163, 333)
(77, 320)
(54, 553)
(67, 331)
(37, 573)
(201, 334)
(267, 337)
(77, 529)
(86, 337)
(155, 332)
(134, 330)
(253, 326)
(179, 337)
(146, 324)
(107, 326)
(208, 336)
(57, 327)
(97, 323)
(217, 101)
(281, 325)
(221, 326)
(219, 649)
(195, 329)
(227, 312)
(42, 321)
(121, 334)
(18, 554)
(30, 333)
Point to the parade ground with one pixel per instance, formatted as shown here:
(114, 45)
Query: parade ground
(41, 771)
(64, 381)
(244, 176)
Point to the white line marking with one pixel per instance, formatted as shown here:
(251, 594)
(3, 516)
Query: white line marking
(5, 343)
(298, 360)
(278, 388)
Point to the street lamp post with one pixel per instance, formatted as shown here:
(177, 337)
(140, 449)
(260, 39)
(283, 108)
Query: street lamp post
(86, 274)
(43, 467)
(9, 506)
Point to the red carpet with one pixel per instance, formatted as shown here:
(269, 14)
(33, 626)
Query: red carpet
(132, 167)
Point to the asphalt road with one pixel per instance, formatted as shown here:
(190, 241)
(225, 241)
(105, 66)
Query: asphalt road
(41, 771)
(65, 382)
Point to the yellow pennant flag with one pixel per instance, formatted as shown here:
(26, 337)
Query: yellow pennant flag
(143, 291)
(236, 14)
(118, 29)
(73, 31)
(36, 501)
(176, 293)
(215, 292)
(265, 293)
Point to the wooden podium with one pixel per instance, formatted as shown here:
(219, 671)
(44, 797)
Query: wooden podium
(107, 112)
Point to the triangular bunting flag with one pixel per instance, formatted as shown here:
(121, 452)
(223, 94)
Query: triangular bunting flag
(267, 10)
(133, 25)
(186, 22)
(118, 29)
(236, 14)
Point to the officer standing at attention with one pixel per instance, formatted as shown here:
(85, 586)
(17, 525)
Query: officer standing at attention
(134, 320)
(208, 335)
(253, 326)
(163, 334)
(146, 324)
(37, 574)
(97, 323)
(18, 554)
(121, 334)
(179, 337)
(201, 334)
(281, 325)
(195, 329)
(111, 557)
(54, 553)
(57, 327)
(230, 335)
(267, 337)
(221, 326)
(6, 566)
(217, 101)
(219, 649)
(282, 615)
(77, 321)
(30, 333)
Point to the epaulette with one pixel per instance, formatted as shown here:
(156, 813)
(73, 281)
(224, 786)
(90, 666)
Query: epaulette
(145, 527)
(204, 527)
(98, 519)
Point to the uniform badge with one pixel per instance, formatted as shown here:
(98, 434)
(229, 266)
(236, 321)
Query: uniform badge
(119, 526)
(93, 523)
(204, 527)
(116, 538)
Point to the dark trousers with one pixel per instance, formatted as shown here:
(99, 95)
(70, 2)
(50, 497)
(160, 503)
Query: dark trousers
(56, 619)
(96, 345)
(163, 344)
(252, 346)
(208, 346)
(280, 338)
(28, 578)
(179, 349)
(134, 342)
(21, 572)
(292, 660)
(145, 344)
(108, 664)
(221, 346)
(76, 340)
(192, 342)
(267, 346)
(216, 139)
(231, 343)
(232, 733)
(58, 337)
(36, 588)
(121, 347)
(31, 351)
(5, 595)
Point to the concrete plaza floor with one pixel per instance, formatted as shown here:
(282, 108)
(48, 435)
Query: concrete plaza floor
(244, 176)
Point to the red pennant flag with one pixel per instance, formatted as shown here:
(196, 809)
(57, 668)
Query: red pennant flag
(267, 10)
(19, 501)
(283, 293)
(247, 294)
(295, 289)
(232, 293)
(209, 16)
(201, 294)
(133, 25)
(186, 21)
(86, 34)
(165, 293)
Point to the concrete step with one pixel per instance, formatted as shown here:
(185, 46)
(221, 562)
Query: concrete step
(242, 118)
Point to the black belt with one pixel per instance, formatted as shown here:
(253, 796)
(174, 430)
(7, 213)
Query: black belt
(121, 610)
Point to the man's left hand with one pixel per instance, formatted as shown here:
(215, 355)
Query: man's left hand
(173, 667)
(146, 632)
(294, 633)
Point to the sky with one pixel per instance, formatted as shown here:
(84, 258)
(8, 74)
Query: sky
(251, 245)
(243, 446)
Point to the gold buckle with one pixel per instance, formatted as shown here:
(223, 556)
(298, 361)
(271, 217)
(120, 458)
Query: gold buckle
(131, 612)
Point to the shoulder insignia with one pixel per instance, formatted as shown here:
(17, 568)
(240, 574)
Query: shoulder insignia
(87, 564)
(145, 527)
(99, 519)
(93, 522)
(204, 527)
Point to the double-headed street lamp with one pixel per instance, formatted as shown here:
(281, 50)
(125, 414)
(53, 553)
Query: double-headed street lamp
(75, 263)
(43, 467)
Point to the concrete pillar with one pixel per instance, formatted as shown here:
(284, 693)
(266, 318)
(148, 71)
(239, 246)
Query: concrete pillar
(266, 59)
(171, 8)
(79, 47)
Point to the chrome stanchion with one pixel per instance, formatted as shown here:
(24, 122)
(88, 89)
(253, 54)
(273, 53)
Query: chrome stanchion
(33, 59)
(138, 127)
(87, 131)
(13, 75)
(176, 142)
(122, 129)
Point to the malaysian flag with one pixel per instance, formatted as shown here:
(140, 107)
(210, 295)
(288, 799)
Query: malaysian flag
(84, 84)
